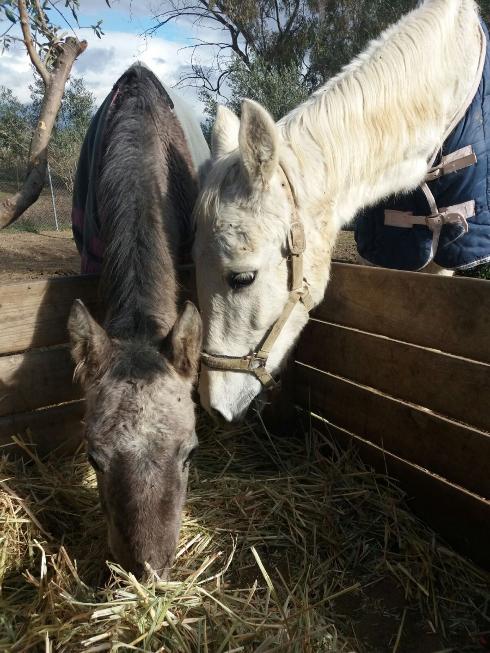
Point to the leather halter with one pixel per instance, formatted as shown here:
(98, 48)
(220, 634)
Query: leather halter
(255, 362)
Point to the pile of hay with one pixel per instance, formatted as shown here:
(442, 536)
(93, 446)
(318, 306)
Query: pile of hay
(284, 547)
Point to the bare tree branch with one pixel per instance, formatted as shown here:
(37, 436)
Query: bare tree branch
(28, 40)
(41, 16)
(278, 20)
(54, 80)
(292, 17)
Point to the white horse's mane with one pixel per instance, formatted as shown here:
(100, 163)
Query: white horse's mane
(389, 93)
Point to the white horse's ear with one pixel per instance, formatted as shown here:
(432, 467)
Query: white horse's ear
(258, 140)
(224, 138)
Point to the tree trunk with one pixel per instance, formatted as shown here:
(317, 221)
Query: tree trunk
(13, 207)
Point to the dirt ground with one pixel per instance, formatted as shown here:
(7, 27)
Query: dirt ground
(25, 255)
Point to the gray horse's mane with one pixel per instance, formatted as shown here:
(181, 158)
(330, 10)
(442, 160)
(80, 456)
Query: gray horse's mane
(146, 191)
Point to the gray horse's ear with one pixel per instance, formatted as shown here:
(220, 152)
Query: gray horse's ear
(258, 139)
(224, 138)
(186, 340)
(90, 344)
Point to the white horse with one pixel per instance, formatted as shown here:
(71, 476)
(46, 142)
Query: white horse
(366, 134)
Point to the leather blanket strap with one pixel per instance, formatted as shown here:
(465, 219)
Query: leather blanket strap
(450, 163)
(255, 363)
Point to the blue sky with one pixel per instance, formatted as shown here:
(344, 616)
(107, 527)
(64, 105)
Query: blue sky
(124, 42)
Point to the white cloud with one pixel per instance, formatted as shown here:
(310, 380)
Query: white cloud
(130, 7)
(106, 59)
(16, 72)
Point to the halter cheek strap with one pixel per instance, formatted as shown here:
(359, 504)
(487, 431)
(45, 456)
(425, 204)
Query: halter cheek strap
(255, 362)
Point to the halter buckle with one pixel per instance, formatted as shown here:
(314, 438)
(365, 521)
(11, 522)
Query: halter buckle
(296, 239)
(255, 361)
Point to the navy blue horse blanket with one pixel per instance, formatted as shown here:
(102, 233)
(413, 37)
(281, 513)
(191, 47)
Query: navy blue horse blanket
(85, 217)
(446, 219)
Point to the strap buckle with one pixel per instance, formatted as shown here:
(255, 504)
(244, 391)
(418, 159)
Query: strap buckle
(255, 361)
(453, 162)
(434, 221)
(296, 239)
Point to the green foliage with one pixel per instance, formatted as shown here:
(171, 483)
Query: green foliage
(17, 121)
(278, 88)
(15, 128)
(343, 29)
(480, 272)
(25, 225)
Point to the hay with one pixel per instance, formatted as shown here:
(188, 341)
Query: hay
(278, 546)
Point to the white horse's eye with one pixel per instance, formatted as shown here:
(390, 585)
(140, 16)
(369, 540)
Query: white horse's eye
(239, 280)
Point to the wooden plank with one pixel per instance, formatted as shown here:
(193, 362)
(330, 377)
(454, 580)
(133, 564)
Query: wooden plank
(57, 427)
(34, 314)
(279, 413)
(456, 387)
(37, 378)
(454, 451)
(462, 517)
(450, 314)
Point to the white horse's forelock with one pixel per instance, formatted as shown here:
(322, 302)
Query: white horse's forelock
(227, 178)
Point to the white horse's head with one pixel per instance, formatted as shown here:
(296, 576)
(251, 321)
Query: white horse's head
(244, 217)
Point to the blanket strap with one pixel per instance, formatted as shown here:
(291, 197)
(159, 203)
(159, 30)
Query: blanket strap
(462, 158)
(452, 162)
(457, 214)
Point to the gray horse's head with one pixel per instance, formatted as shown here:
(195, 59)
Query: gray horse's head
(140, 432)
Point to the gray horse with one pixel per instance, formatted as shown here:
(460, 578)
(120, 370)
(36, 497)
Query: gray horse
(138, 370)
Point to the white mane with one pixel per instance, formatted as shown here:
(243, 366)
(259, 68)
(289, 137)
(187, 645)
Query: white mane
(397, 96)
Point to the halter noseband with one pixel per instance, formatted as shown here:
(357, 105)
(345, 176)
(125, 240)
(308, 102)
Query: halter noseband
(255, 363)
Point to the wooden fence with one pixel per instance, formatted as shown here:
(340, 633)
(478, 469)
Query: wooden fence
(398, 363)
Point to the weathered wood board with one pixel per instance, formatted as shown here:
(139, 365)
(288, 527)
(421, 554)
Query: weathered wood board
(34, 314)
(456, 387)
(461, 516)
(449, 314)
(452, 450)
(398, 363)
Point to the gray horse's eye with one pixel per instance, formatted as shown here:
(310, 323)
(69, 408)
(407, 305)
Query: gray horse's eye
(239, 280)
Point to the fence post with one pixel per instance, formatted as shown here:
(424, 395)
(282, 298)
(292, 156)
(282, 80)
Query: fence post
(52, 199)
